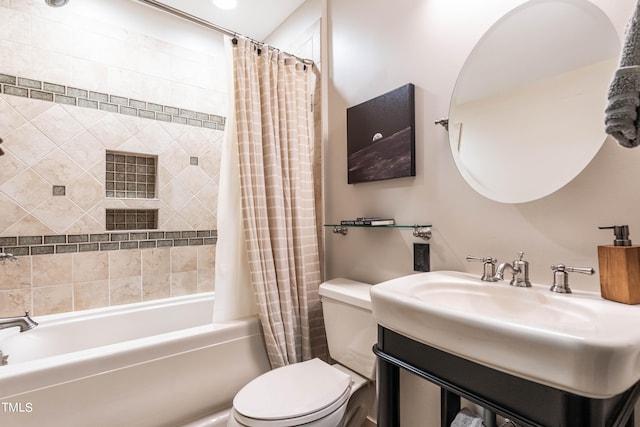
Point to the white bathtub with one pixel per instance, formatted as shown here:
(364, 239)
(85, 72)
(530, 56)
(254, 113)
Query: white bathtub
(154, 364)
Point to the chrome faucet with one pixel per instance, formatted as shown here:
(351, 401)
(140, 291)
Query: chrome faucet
(24, 322)
(520, 270)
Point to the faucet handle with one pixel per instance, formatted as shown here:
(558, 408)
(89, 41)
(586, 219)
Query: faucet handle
(561, 277)
(489, 267)
(472, 258)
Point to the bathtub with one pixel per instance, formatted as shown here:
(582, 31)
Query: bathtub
(159, 363)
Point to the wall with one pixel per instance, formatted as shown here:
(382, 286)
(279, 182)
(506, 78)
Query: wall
(426, 43)
(77, 81)
(299, 34)
(375, 47)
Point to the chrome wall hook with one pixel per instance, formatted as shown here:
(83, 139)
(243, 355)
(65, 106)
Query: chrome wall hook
(443, 122)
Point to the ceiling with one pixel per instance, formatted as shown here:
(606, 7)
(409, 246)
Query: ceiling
(252, 18)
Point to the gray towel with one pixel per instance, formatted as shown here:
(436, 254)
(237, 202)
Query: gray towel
(621, 115)
(466, 418)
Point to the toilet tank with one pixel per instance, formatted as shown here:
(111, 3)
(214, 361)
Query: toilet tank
(349, 323)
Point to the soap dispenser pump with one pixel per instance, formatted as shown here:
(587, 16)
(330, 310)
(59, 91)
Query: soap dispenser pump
(622, 234)
(620, 267)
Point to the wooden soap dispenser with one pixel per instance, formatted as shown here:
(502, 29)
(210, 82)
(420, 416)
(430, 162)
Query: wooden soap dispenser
(620, 268)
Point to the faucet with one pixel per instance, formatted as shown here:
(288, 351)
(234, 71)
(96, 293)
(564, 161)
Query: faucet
(5, 256)
(24, 322)
(520, 270)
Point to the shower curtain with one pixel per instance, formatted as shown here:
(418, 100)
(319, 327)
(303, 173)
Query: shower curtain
(269, 157)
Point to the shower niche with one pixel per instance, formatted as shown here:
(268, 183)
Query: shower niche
(132, 219)
(131, 176)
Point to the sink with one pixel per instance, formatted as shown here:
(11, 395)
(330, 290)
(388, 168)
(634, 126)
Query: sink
(575, 342)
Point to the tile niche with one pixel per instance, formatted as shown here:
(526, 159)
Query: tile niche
(130, 175)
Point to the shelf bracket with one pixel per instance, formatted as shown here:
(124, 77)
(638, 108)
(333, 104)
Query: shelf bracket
(422, 232)
(340, 230)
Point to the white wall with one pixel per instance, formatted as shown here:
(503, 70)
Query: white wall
(376, 46)
(299, 33)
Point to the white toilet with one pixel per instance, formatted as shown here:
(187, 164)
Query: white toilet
(314, 393)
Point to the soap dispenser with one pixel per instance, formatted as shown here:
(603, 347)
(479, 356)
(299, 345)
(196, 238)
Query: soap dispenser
(620, 267)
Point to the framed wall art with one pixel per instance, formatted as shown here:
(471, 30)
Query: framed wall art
(381, 137)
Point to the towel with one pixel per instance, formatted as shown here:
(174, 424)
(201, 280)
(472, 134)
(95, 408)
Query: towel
(621, 115)
(466, 418)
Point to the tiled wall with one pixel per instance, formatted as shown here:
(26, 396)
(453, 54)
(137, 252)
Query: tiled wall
(61, 94)
(62, 282)
(52, 234)
(62, 107)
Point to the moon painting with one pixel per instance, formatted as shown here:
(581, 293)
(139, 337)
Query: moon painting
(381, 137)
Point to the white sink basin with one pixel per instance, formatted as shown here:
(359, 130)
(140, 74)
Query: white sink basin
(575, 342)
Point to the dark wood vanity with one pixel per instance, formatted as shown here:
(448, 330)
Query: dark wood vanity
(525, 402)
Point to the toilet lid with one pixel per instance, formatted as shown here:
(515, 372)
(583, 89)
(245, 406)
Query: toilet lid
(310, 389)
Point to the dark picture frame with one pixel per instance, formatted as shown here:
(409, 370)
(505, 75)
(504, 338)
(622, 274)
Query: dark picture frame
(381, 137)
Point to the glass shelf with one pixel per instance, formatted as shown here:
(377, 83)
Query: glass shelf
(379, 226)
(419, 230)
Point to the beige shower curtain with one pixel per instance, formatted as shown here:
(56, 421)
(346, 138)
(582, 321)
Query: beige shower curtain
(275, 135)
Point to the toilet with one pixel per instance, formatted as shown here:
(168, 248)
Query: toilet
(314, 393)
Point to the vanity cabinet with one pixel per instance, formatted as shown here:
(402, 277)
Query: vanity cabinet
(525, 402)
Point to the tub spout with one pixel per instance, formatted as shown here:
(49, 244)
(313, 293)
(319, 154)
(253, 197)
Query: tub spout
(24, 322)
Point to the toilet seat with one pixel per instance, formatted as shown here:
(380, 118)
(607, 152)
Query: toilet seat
(292, 395)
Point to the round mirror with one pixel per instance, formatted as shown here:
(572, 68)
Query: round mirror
(527, 111)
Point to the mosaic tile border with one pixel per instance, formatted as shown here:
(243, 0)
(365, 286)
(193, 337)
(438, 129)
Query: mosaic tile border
(73, 243)
(61, 94)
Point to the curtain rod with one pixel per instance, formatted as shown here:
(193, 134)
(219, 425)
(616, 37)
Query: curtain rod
(187, 16)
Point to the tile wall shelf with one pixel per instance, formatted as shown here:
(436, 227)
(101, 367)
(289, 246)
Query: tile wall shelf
(131, 219)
